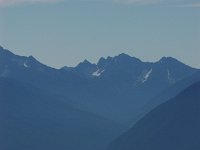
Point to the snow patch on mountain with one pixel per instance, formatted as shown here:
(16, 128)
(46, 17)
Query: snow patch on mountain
(147, 75)
(98, 73)
(25, 65)
(169, 76)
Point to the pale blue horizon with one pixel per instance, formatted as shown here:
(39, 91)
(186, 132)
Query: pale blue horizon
(65, 33)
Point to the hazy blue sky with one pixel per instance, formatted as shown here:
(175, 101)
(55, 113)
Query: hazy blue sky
(65, 32)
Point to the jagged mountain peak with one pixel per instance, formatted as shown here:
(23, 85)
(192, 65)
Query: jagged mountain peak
(119, 60)
(121, 57)
(85, 63)
(31, 57)
(168, 59)
(32, 60)
(85, 68)
(101, 61)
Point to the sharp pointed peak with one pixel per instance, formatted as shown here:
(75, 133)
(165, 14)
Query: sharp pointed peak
(86, 62)
(102, 59)
(32, 58)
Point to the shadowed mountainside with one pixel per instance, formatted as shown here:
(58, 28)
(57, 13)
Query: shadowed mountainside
(32, 119)
(174, 125)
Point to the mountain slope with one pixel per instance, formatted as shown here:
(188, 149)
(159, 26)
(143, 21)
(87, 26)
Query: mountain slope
(167, 94)
(32, 119)
(174, 125)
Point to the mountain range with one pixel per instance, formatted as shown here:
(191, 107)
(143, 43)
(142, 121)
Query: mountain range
(91, 103)
(116, 88)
